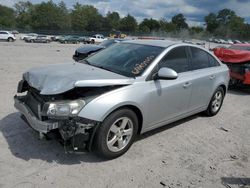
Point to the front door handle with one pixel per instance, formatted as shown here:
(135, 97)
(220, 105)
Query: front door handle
(187, 84)
(212, 77)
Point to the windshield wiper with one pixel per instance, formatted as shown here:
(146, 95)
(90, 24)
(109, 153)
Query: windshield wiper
(105, 68)
(86, 61)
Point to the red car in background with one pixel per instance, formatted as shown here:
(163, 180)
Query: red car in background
(237, 58)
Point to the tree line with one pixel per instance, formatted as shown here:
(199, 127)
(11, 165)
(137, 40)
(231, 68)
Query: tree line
(57, 17)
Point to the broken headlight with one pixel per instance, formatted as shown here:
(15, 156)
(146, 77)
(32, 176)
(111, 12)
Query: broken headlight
(63, 108)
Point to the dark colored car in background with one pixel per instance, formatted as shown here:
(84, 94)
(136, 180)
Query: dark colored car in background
(88, 49)
(237, 58)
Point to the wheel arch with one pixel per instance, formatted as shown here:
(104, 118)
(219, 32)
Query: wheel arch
(136, 110)
(223, 87)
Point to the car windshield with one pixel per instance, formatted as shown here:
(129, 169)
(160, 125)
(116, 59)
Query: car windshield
(239, 47)
(107, 43)
(126, 59)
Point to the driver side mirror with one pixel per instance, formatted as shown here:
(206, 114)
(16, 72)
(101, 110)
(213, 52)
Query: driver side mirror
(165, 74)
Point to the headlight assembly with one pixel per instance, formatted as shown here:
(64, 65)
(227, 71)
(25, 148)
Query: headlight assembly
(63, 108)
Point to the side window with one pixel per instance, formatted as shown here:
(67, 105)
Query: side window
(213, 62)
(2, 32)
(176, 59)
(199, 59)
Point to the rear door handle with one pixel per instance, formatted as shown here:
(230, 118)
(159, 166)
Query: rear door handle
(187, 84)
(212, 77)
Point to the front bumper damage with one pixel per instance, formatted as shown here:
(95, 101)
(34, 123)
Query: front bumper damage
(35, 123)
(76, 133)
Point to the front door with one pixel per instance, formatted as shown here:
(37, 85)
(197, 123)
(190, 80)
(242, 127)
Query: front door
(169, 99)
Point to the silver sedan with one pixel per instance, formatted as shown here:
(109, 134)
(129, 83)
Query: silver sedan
(130, 88)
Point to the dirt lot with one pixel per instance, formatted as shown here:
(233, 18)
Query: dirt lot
(195, 152)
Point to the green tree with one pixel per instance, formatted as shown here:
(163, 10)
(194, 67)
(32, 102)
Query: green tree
(63, 16)
(224, 16)
(105, 24)
(114, 19)
(86, 17)
(180, 21)
(77, 15)
(225, 24)
(167, 26)
(196, 29)
(149, 24)
(49, 16)
(7, 17)
(23, 14)
(211, 22)
(128, 23)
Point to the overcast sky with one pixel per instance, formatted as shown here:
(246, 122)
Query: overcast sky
(193, 10)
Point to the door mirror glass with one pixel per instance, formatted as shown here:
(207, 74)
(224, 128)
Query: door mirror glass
(166, 74)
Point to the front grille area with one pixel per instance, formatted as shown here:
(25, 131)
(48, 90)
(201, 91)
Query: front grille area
(34, 104)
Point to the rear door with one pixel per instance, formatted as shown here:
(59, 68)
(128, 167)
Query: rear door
(204, 77)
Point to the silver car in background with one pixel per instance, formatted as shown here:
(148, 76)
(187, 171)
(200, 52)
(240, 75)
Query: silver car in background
(130, 88)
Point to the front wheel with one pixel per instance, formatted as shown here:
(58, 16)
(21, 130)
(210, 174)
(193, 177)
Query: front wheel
(216, 102)
(116, 134)
(10, 39)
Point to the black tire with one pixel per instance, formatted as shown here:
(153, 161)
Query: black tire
(10, 39)
(211, 110)
(92, 41)
(101, 137)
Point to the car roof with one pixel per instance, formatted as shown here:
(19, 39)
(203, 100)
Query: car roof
(158, 43)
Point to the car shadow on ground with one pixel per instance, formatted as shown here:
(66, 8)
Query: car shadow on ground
(239, 90)
(24, 143)
(239, 182)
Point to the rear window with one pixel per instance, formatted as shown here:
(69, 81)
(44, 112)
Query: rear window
(213, 62)
(201, 59)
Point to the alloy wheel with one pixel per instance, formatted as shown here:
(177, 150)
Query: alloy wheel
(217, 101)
(119, 134)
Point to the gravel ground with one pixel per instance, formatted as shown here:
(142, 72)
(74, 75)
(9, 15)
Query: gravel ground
(195, 152)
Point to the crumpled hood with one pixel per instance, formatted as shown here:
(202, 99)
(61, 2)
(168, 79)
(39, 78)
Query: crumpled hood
(59, 78)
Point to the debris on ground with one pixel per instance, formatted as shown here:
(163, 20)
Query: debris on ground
(163, 184)
(234, 157)
(223, 129)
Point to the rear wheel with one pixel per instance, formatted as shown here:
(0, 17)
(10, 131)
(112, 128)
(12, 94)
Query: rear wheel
(216, 102)
(116, 134)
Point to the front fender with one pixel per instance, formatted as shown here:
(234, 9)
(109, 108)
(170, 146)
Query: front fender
(99, 108)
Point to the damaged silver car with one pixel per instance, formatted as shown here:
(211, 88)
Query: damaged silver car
(103, 102)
